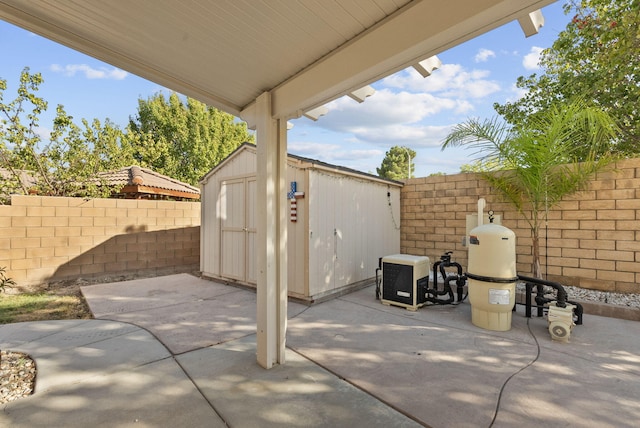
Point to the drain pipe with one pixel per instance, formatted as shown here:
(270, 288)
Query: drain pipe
(562, 294)
(481, 204)
(378, 278)
(561, 300)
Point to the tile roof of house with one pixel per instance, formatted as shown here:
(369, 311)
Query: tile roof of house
(144, 177)
(27, 178)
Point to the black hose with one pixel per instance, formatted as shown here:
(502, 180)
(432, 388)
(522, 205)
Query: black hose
(561, 295)
(441, 265)
(541, 300)
(460, 282)
(435, 274)
(495, 414)
(578, 311)
(447, 290)
(491, 279)
(378, 280)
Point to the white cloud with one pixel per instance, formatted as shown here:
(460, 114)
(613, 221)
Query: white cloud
(463, 106)
(360, 159)
(483, 55)
(89, 72)
(451, 80)
(399, 113)
(311, 149)
(386, 107)
(366, 151)
(531, 61)
(406, 135)
(435, 160)
(43, 132)
(406, 110)
(388, 118)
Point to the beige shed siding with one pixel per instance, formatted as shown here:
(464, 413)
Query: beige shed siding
(320, 261)
(241, 166)
(232, 198)
(297, 251)
(350, 228)
(321, 225)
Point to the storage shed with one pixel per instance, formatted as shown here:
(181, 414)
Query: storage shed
(341, 221)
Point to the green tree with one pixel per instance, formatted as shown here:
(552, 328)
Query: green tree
(69, 163)
(66, 163)
(479, 166)
(535, 165)
(19, 120)
(183, 140)
(597, 57)
(109, 144)
(397, 163)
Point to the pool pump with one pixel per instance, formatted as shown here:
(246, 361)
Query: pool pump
(560, 321)
(562, 314)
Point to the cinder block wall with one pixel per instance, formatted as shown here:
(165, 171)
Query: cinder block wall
(592, 240)
(51, 238)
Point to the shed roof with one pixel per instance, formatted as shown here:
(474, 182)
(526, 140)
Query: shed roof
(303, 162)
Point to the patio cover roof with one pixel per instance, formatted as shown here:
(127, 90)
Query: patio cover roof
(267, 61)
(226, 53)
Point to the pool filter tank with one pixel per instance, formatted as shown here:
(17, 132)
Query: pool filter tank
(492, 276)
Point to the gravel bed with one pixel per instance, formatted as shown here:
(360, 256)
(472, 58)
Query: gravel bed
(586, 295)
(17, 375)
(618, 299)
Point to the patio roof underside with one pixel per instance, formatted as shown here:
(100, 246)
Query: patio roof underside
(226, 53)
(266, 61)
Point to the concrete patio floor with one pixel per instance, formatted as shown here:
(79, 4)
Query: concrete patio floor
(180, 351)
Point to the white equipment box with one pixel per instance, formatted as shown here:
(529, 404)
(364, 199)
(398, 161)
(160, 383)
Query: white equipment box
(405, 279)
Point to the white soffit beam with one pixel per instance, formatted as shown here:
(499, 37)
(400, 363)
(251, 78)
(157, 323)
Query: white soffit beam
(426, 67)
(361, 94)
(315, 113)
(531, 23)
(401, 40)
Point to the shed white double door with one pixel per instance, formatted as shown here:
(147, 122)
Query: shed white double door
(238, 229)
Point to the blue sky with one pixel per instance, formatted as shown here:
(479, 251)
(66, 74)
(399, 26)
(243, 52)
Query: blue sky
(406, 109)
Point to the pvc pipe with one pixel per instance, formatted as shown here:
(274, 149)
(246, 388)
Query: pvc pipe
(481, 204)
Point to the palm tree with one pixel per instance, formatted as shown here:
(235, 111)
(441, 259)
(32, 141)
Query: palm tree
(535, 165)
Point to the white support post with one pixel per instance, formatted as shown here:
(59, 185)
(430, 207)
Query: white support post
(271, 234)
(283, 261)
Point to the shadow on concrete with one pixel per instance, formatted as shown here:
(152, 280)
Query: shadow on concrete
(351, 361)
